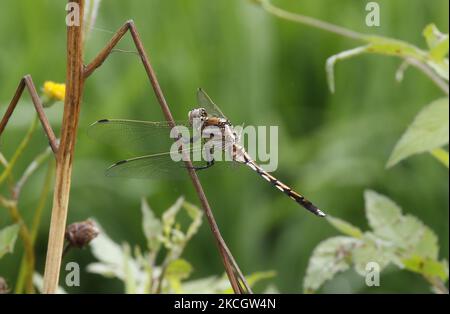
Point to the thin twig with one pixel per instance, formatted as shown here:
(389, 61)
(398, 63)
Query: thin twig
(72, 104)
(27, 81)
(226, 254)
(40, 111)
(234, 274)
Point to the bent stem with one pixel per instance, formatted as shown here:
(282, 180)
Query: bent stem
(411, 54)
(235, 276)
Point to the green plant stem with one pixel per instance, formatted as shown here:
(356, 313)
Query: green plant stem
(25, 235)
(412, 54)
(441, 155)
(306, 20)
(23, 144)
(35, 224)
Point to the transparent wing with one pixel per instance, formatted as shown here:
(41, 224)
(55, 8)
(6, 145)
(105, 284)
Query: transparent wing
(134, 136)
(205, 101)
(157, 166)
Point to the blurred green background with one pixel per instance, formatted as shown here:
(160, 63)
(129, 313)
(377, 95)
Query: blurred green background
(261, 71)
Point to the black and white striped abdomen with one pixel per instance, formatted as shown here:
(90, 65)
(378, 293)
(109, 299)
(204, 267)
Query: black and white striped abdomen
(284, 188)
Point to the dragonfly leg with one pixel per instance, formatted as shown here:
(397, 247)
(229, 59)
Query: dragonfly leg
(208, 165)
(209, 159)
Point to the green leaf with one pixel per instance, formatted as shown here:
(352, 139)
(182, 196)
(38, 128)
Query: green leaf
(329, 258)
(344, 227)
(211, 285)
(394, 47)
(112, 258)
(196, 215)
(407, 233)
(437, 42)
(427, 267)
(371, 250)
(381, 212)
(177, 271)
(151, 226)
(428, 131)
(168, 218)
(8, 236)
(179, 268)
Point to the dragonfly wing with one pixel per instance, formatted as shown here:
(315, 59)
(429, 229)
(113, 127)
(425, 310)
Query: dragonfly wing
(157, 166)
(205, 101)
(133, 135)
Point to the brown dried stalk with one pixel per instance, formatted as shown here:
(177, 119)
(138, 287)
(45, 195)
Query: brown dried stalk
(27, 81)
(64, 156)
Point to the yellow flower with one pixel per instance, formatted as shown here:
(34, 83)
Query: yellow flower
(54, 91)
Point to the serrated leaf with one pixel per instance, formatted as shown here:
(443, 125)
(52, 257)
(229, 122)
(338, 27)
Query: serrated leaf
(428, 131)
(381, 211)
(369, 251)
(329, 258)
(427, 267)
(427, 246)
(151, 226)
(8, 237)
(111, 257)
(344, 227)
(405, 232)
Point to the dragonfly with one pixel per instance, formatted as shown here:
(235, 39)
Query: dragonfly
(208, 123)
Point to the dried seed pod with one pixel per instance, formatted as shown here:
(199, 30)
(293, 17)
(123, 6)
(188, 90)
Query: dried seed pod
(80, 234)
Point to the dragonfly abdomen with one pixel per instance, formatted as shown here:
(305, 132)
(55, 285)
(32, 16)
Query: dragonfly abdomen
(285, 189)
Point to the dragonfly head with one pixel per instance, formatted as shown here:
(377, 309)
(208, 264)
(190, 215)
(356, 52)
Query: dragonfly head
(197, 114)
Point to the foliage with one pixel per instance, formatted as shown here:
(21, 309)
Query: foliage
(427, 132)
(263, 71)
(8, 236)
(394, 238)
(141, 273)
